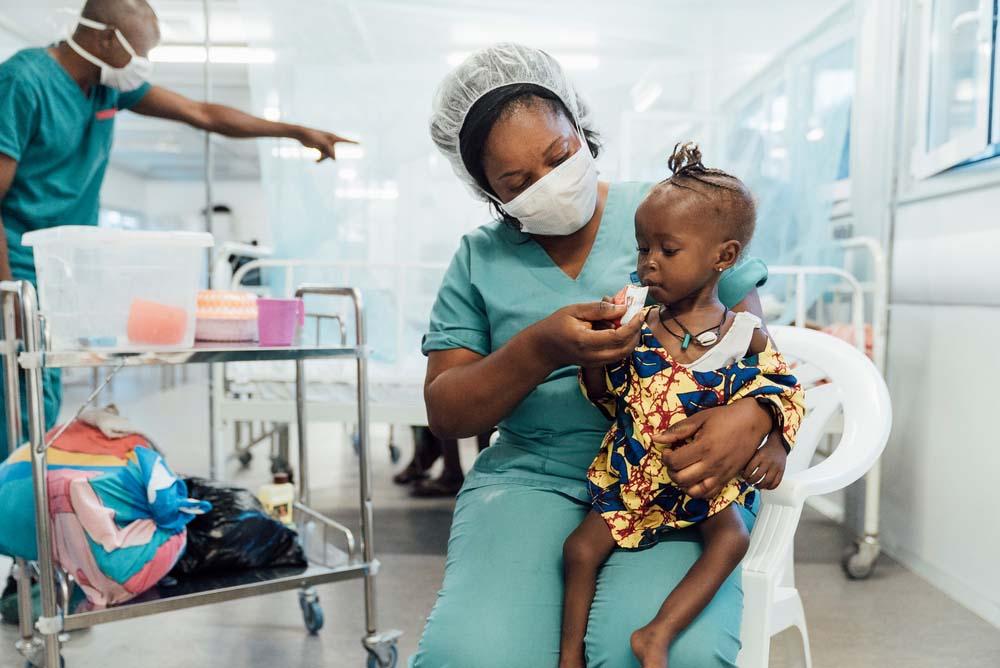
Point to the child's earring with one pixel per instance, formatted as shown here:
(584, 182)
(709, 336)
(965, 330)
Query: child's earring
(719, 269)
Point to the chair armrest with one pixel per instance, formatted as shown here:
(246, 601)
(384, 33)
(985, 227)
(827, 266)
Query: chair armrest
(772, 535)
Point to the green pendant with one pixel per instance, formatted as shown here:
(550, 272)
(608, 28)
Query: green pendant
(686, 342)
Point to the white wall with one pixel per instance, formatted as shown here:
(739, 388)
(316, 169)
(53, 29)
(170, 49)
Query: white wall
(939, 511)
(178, 204)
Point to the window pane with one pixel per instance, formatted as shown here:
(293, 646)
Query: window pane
(832, 90)
(954, 90)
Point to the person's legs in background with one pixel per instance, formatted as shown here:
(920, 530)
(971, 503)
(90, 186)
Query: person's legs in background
(451, 478)
(427, 449)
(52, 401)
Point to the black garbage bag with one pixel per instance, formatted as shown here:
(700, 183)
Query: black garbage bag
(236, 534)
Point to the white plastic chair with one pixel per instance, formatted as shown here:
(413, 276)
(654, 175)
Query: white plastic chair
(771, 603)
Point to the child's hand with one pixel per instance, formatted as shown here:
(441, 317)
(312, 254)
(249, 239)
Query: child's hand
(767, 467)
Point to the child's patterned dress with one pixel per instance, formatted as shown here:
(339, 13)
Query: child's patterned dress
(648, 392)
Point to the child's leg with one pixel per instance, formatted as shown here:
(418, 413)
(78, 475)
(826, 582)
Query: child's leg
(726, 541)
(586, 549)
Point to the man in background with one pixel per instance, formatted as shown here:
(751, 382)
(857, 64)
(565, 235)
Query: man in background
(57, 113)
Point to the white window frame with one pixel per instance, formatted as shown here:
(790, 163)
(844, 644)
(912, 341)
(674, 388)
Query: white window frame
(925, 163)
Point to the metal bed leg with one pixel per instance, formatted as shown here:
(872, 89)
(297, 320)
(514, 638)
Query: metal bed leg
(217, 458)
(300, 414)
(859, 559)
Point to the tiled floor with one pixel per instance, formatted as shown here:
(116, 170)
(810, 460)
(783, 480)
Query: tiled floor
(893, 619)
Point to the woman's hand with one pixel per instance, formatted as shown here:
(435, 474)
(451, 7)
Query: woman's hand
(580, 335)
(705, 451)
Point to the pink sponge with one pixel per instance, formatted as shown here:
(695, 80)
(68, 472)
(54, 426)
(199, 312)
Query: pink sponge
(150, 323)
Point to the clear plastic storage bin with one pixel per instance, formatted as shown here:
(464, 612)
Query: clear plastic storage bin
(101, 288)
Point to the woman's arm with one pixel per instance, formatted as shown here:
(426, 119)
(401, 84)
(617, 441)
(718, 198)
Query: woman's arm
(467, 393)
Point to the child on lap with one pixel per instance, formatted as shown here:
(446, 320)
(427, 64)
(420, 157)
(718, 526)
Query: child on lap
(693, 354)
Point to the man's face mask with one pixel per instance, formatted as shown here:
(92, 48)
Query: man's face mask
(128, 78)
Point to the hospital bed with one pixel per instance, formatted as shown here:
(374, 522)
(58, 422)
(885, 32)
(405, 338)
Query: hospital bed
(854, 309)
(253, 403)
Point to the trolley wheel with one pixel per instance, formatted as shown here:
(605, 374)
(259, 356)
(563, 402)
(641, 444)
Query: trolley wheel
(394, 453)
(62, 663)
(859, 560)
(373, 661)
(245, 458)
(312, 611)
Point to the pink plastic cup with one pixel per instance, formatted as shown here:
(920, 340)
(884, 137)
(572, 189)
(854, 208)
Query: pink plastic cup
(277, 320)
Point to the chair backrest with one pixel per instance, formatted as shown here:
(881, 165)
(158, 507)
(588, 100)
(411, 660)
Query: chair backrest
(834, 375)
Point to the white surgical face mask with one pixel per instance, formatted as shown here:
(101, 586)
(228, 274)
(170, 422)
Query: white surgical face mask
(135, 73)
(562, 201)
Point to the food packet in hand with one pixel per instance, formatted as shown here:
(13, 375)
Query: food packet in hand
(634, 299)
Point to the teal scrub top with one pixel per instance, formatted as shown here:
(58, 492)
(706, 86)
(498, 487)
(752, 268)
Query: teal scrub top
(61, 140)
(499, 282)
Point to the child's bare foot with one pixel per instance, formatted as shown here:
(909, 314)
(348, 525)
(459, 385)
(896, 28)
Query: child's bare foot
(650, 645)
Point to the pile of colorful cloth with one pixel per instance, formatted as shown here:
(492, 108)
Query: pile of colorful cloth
(119, 514)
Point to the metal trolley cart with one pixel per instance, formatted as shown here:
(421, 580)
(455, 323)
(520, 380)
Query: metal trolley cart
(26, 358)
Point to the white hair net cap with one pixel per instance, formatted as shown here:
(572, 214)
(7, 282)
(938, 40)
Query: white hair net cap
(484, 71)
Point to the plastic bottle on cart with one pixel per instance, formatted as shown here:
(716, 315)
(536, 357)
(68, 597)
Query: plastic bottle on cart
(278, 498)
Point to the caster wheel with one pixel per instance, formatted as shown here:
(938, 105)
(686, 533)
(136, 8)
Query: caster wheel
(394, 453)
(244, 459)
(312, 612)
(858, 564)
(373, 661)
(312, 615)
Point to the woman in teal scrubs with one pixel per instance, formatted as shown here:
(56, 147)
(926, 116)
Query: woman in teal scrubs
(512, 320)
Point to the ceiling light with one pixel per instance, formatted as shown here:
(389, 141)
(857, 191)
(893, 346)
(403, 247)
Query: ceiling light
(193, 53)
(815, 134)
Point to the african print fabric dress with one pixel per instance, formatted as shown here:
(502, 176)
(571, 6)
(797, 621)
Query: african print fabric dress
(648, 392)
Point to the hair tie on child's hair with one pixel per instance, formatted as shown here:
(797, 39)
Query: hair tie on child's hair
(685, 158)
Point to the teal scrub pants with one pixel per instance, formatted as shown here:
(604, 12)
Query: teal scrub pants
(501, 602)
(52, 401)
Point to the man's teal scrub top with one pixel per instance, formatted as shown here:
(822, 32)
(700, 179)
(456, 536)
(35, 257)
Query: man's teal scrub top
(61, 139)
